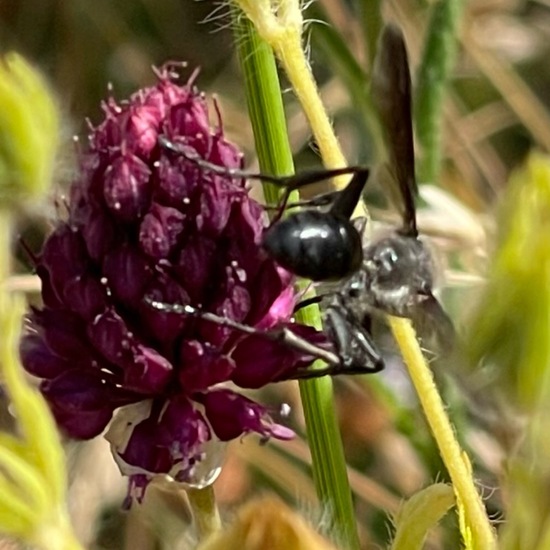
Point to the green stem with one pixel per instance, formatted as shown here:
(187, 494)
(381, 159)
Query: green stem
(265, 105)
(268, 121)
(205, 511)
(437, 62)
(454, 458)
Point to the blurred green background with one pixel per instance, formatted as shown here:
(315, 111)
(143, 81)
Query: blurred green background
(496, 110)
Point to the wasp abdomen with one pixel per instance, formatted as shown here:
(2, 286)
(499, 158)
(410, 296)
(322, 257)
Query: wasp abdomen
(315, 245)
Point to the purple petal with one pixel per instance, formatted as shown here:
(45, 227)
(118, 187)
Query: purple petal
(214, 209)
(109, 334)
(232, 415)
(267, 287)
(65, 245)
(39, 360)
(140, 128)
(83, 402)
(168, 440)
(81, 424)
(49, 296)
(63, 332)
(128, 273)
(242, 234)
(160, 231)
(64, 256)
(280, 311)
(201, 366)
(224, 153)
(100, 234)
(85, 296)
(190, 119)
(145, 370)
(108, 134)
(166, 94)
(259, 361)
(245, 225)
(85, 390)
(177, 181)
(196, 265)
(162, 326)
(127, 187)
(148, 373)
(235, 305)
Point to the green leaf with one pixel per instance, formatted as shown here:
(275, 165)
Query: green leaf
(419, 514)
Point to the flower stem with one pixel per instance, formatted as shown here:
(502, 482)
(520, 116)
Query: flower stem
(483, 537)
(265, 106)
(205, 511)
(268, 121)
(291, 55)
(283, 32)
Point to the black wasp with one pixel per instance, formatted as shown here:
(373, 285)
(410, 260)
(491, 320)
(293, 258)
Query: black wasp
(393, 274)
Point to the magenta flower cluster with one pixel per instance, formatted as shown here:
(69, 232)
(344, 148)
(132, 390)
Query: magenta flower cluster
(145, 221)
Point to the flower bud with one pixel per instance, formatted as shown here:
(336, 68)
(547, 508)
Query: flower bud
(147, 223)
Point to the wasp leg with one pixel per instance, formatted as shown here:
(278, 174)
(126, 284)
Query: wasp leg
(336, 364)
(309, 302)
(283, 335)
(324, 199)
(344, 201)
(353, 341)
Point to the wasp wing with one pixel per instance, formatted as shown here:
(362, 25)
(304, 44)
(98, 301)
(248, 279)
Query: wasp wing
(391, 94)
(434, 326)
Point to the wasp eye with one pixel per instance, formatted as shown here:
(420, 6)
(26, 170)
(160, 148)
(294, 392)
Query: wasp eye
(386, 259)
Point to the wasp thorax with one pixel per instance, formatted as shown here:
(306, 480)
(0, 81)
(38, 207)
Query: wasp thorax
(398, 273)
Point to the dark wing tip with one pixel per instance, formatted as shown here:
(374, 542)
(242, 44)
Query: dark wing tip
(391, 93)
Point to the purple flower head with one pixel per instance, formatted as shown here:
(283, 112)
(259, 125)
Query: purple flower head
(145, 221)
